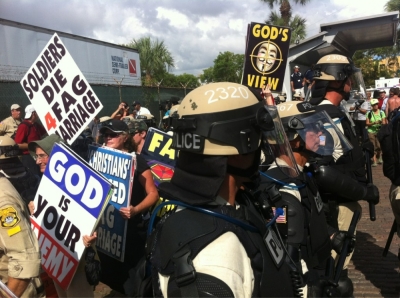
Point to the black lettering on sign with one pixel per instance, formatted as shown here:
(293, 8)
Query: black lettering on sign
(82, 112)
(41, 205)
(64, 134)
(78, 86)
(67, 100)
(274, 247)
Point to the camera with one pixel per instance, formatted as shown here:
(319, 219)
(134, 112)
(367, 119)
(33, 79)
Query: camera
(358, 103)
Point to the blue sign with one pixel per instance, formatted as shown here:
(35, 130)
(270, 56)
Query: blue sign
(118, 167)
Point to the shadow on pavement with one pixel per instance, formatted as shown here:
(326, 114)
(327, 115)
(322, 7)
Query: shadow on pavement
(378, 270)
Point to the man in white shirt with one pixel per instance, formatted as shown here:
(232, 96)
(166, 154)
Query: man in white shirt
(139, 109)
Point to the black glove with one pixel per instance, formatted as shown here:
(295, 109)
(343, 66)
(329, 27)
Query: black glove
(368, 147)
(338, 240)
(372, 194)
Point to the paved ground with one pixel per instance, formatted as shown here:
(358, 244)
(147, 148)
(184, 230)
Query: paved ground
(372, 274)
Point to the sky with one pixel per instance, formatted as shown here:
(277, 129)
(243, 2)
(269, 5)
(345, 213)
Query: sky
(194, 31)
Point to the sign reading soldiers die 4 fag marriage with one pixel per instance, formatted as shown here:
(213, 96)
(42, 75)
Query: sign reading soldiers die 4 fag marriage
(266, 56)
(62, 97)
(69, 202)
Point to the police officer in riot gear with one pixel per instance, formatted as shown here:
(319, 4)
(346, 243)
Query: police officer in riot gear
(217, 243)
(284, 184)
(342, 177)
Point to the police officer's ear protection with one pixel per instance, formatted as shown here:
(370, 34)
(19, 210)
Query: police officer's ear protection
(338, 71)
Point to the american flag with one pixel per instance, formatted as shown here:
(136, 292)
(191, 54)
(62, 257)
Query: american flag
(281, 218)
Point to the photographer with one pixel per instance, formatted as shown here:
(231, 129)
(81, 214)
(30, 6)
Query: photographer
(122, 111)
(361, 108)
(375, 119)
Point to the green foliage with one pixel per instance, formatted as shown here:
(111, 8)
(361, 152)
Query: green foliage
(228, 67)
(392, 5)
(369, 64)
(285, 18)
(207, 76)
(155, 58)
(296, 23)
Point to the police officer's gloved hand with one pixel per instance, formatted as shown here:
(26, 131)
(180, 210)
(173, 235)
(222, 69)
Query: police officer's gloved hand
(338, 241)
(369, 147)
(372, 194)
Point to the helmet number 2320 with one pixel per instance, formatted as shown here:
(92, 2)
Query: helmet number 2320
(225, 93)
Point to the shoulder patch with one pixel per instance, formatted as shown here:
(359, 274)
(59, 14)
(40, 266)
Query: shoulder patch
(9, 217)
(274, 247)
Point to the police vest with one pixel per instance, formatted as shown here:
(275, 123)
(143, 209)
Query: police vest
(180, 236)
(304, 225)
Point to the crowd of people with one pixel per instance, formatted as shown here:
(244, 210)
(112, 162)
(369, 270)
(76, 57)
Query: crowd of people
(267, 195)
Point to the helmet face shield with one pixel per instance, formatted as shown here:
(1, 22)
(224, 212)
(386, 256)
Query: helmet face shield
(278, 144)
(320, 134)
(357, 84)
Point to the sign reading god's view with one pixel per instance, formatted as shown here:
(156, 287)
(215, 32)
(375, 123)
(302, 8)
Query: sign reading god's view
(70, 200)
(61, 95)
(266, 56)
(118, 167)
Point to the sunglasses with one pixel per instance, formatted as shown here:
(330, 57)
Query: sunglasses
(111, 135)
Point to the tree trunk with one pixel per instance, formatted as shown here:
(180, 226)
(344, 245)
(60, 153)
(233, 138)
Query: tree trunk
(285, 10)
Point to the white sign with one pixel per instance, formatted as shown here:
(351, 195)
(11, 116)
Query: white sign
(61, 95)
(68, 204)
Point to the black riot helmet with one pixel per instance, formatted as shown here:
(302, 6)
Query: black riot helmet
(219, 119)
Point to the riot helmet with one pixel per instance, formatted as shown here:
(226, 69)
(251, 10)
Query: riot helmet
(317, 132)
(219, 119)
(340, 69)
(8, 148)
(167, 120)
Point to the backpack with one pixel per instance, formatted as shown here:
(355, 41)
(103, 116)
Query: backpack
(369, 114)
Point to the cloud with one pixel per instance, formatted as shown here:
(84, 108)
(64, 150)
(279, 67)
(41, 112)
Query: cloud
(194, 31)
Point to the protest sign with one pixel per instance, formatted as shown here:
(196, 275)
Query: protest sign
(161, 159)
(61, 95)
(266, 55)
(70, 200)
(157, 146)
(118, 167)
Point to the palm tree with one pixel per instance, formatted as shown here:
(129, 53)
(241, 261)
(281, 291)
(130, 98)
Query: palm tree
(155, 58)
(285, 8)
(392, 5)
(297, 23)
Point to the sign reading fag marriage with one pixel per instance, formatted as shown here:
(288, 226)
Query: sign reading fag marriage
(266, 55)
(68, 204)
(61, 95)
(118, 167)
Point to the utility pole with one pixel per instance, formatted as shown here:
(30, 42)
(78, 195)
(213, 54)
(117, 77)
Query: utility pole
(158, 91)
(119, 87)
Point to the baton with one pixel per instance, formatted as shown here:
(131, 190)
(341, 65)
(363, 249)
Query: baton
(372, 213)
(390, 237)
(343, 254)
